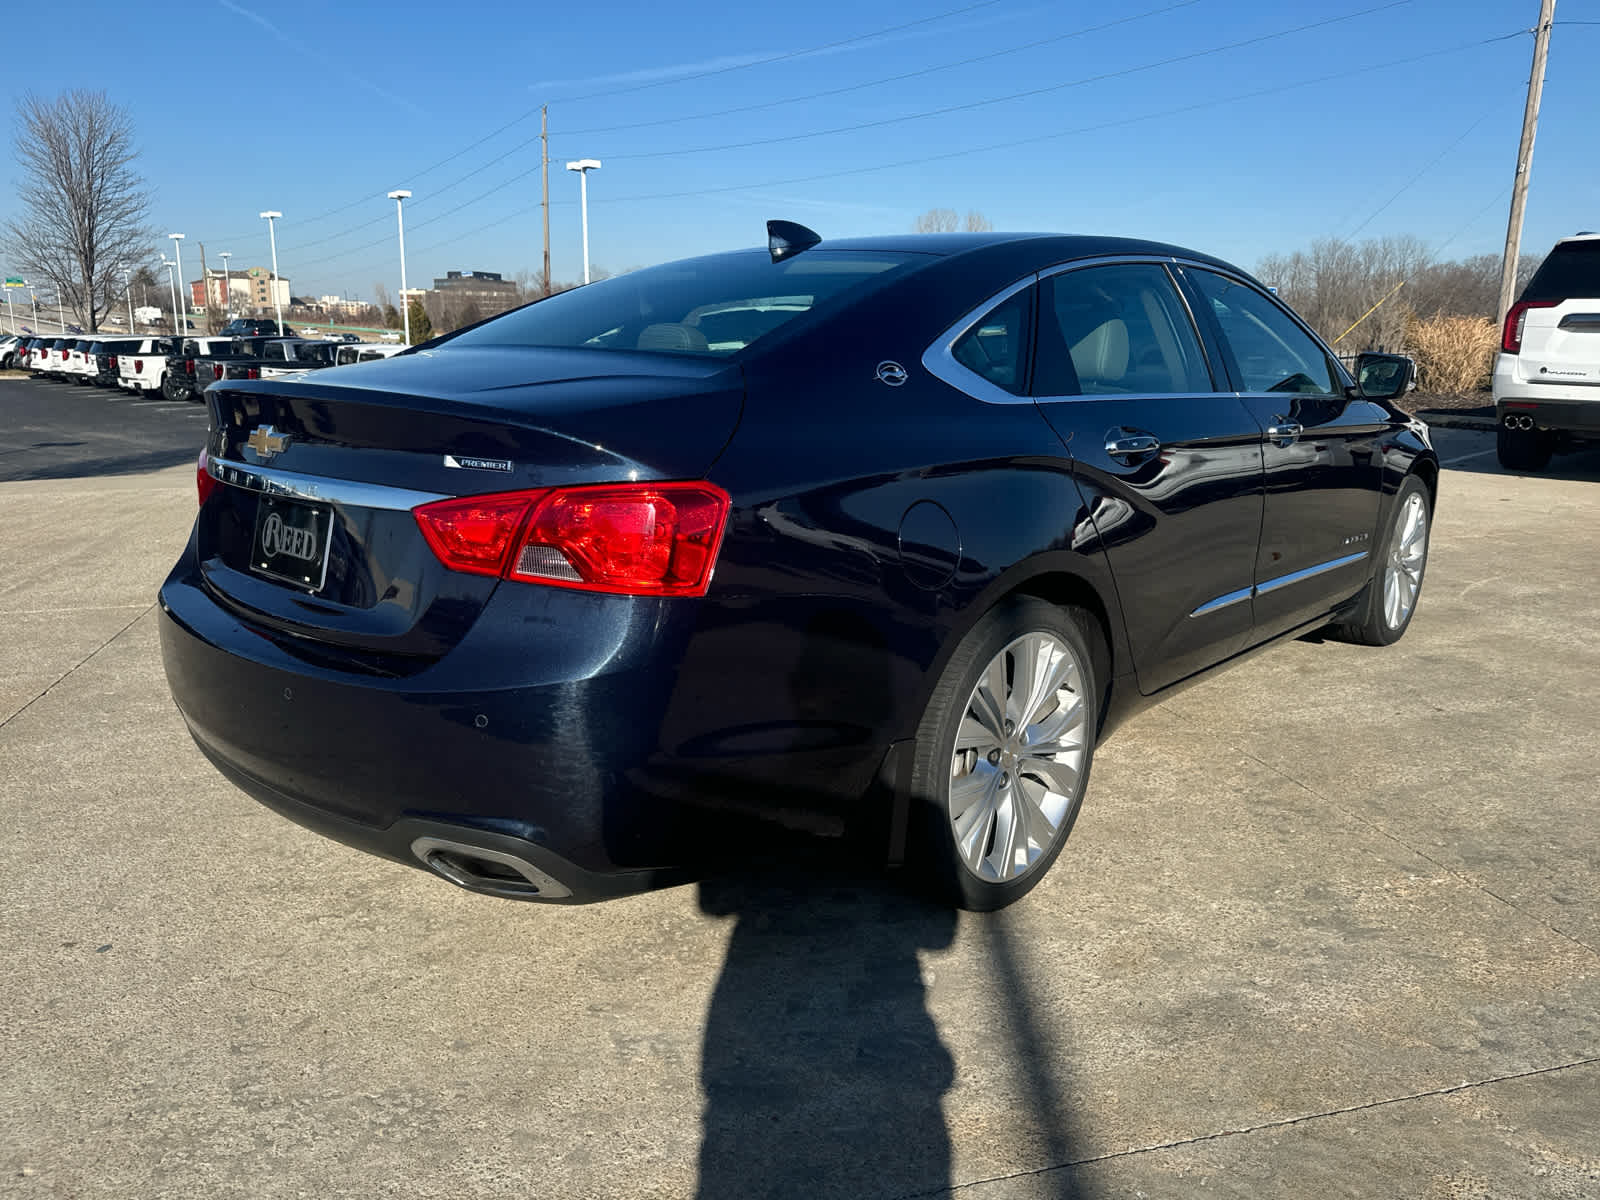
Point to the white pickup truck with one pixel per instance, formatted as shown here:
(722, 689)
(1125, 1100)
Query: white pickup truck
(145, 368)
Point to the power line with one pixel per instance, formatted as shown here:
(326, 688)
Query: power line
(1022, 95)
(1433, 162)
(743, 66)
(1190, 56)
(523, 145)
(856, 87)
(984, 149)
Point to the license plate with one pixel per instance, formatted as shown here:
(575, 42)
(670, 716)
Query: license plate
(291, 541)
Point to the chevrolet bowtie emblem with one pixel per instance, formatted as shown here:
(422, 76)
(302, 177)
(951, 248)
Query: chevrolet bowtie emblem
(267, 441)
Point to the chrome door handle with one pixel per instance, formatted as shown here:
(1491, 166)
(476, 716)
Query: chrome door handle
(1286, 432)
(1142, 443)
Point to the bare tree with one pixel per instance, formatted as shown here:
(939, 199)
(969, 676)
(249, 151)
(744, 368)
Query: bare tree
(85, 209)
(947, 220)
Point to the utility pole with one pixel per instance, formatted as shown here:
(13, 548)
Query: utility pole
(205, 292)
(544, 174)
(1519, 186)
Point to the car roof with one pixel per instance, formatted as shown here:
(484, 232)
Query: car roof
(1585, 236)
(1058, 247)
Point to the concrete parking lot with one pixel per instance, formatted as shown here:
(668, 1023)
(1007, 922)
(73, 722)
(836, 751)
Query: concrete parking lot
(1329, 926)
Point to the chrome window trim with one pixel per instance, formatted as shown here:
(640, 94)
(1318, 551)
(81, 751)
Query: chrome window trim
(1272, 585)
(939, 359)
(343, 492)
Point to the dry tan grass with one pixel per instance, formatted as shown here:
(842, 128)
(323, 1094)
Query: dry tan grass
(1454, 354)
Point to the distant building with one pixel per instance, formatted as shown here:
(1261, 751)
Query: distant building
(485, 289)
(249, 288)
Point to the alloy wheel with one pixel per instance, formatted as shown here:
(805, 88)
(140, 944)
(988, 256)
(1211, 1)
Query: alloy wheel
(1017, 772)
(1408, 553)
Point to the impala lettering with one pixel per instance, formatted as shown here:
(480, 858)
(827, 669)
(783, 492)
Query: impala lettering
(278, 538)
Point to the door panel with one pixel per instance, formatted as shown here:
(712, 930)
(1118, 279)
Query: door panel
(1321, 460)
(1170, 468)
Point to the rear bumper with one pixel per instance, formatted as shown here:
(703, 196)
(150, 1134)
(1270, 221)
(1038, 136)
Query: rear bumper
(1581, 417)
(544, 768)
(1565, 407)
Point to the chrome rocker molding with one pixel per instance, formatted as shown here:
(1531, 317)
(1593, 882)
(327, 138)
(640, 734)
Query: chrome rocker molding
(1272, 585)
(316, 487)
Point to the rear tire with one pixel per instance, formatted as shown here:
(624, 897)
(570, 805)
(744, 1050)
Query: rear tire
(1524, 449)
(174, 389)
(1004, 749)
(1396, 586)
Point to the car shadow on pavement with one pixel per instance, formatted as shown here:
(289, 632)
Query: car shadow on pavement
(822, 1068)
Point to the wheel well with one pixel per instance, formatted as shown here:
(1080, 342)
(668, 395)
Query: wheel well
(1427, 470)
(1065, 590)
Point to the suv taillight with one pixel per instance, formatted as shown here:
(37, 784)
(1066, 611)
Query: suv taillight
(1511, 336)
(638, 539)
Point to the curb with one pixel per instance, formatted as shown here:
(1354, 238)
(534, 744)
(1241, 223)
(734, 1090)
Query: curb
(1450, 420)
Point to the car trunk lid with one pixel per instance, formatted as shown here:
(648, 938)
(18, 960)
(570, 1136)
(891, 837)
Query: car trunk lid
(310, 531)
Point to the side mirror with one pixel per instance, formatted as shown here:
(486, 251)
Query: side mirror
(1384, 376)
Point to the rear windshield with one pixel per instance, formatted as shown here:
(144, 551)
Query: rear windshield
(714, 306)
(1571, 272)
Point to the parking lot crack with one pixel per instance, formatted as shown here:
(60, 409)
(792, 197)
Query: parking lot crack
(140, 615)
(1245, 1130)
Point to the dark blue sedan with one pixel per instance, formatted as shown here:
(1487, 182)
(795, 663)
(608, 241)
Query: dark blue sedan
(869, 538)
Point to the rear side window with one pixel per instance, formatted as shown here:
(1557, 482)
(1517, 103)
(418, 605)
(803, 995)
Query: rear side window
(1116, 330)
(1571, 271)
(714, 306)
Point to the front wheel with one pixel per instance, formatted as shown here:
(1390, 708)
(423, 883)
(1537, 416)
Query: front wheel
(1003, 751)
(1397, 579)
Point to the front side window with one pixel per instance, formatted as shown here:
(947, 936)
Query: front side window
(714, 306)
(1116, 330)
(1272, 352)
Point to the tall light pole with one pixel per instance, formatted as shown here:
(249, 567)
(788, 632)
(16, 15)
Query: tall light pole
(272, 235)
(177, 247)
(35, 299)
(172, 283)
(227, 285)
(583, 166)
(127, 282)
(400, 197)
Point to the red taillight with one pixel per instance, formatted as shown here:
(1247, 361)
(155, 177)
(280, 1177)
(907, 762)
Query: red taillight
(138, 365)
(111, 363)
(253, 373)
(643, 539)
(1511, 336)
(216, 371)
(204, 482)
(188, 366)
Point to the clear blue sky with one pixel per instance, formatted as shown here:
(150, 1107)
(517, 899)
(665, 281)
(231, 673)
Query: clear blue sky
(371, 97)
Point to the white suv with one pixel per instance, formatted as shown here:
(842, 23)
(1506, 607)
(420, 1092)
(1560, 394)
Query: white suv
(1547, 378)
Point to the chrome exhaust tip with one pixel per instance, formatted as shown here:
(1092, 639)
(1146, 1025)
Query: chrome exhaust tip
(490, 872)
